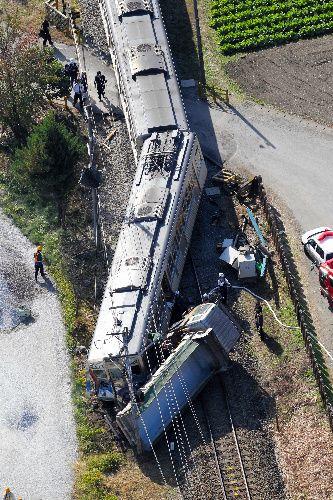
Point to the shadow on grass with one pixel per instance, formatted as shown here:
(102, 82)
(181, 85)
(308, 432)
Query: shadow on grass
(273, 345)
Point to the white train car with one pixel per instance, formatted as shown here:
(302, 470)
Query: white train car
(164, 200)
(145, 73)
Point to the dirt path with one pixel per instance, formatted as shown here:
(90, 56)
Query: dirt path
(294, 157)
(37, 430)
(297, 77)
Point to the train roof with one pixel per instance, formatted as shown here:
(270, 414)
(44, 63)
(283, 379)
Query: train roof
(135, 278)
(146, 71)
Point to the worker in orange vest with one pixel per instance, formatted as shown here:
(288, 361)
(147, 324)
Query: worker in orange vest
(38, 257)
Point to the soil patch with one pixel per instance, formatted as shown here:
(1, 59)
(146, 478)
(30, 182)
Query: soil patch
(297, 77)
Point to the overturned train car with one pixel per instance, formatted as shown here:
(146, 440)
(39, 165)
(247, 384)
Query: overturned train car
(199, 347)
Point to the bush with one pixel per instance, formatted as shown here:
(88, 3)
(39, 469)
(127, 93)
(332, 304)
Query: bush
(45, 166)
(29, 74)
(90, 485)
(104, 462)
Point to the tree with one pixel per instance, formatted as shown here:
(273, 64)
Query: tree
(46, 164)
(29, 75)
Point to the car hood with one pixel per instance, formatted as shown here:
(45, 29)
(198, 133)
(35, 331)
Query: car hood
(306, 236)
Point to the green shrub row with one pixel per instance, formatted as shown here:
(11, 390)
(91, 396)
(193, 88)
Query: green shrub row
(229, 7)
(269, 14)
(246, 25)
(251, 30)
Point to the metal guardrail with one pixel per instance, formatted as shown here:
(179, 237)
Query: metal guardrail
(300, 304)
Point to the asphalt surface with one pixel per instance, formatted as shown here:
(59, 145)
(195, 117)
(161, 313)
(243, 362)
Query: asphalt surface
(294, 158)
(91, 63)
(37, 431)
(293, 155)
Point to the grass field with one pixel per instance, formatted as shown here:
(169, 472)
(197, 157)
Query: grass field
(244, 25)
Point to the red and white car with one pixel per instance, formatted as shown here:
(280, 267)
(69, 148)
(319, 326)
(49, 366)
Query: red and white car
(318, 244)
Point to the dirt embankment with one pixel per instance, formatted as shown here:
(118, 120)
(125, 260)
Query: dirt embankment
(297, 77)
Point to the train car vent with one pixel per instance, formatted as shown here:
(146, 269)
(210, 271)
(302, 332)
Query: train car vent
(146, 59)
(128, 7)
(151, 204)
(131, 274)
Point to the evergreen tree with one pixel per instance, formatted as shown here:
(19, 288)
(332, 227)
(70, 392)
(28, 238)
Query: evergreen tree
(45, 166)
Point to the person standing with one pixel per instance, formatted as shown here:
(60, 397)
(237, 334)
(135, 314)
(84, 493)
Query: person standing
(223, 286)
(38, 258)
(84, 82)
(45, 33)
(259, 319)
(99, 83)
(78, 93)
(72, 70)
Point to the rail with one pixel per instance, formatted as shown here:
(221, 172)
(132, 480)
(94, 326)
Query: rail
(228, 458)
(228, 488)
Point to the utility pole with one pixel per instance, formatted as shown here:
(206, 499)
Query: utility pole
(92, 168)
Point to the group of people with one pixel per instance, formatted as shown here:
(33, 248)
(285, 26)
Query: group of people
(79, 84)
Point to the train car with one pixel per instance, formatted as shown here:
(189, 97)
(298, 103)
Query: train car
(164, 200)
(208, 337)
(149, 259)
(144, 69)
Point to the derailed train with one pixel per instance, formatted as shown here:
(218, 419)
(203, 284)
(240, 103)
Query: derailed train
(155, 236)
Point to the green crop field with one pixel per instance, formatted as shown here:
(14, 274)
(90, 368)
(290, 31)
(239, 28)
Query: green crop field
(244, 25)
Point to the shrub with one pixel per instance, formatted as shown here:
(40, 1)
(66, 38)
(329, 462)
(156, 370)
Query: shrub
(29, 74)
(45, 166)
(90, 485)
(104, 462)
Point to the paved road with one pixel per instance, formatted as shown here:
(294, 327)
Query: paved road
(294, 157)
(37, 432)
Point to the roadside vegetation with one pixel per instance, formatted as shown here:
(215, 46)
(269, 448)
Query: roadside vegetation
(29, 75)
(248, 25)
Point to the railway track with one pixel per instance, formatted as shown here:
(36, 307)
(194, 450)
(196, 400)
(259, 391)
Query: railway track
(227, 454)
(226, 451)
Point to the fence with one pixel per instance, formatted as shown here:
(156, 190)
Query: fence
(300, 304)
(57, 18)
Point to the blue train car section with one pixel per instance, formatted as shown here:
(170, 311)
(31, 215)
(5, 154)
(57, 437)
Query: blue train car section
(206, 335)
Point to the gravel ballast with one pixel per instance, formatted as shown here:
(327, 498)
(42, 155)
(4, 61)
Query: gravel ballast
(37, 430)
